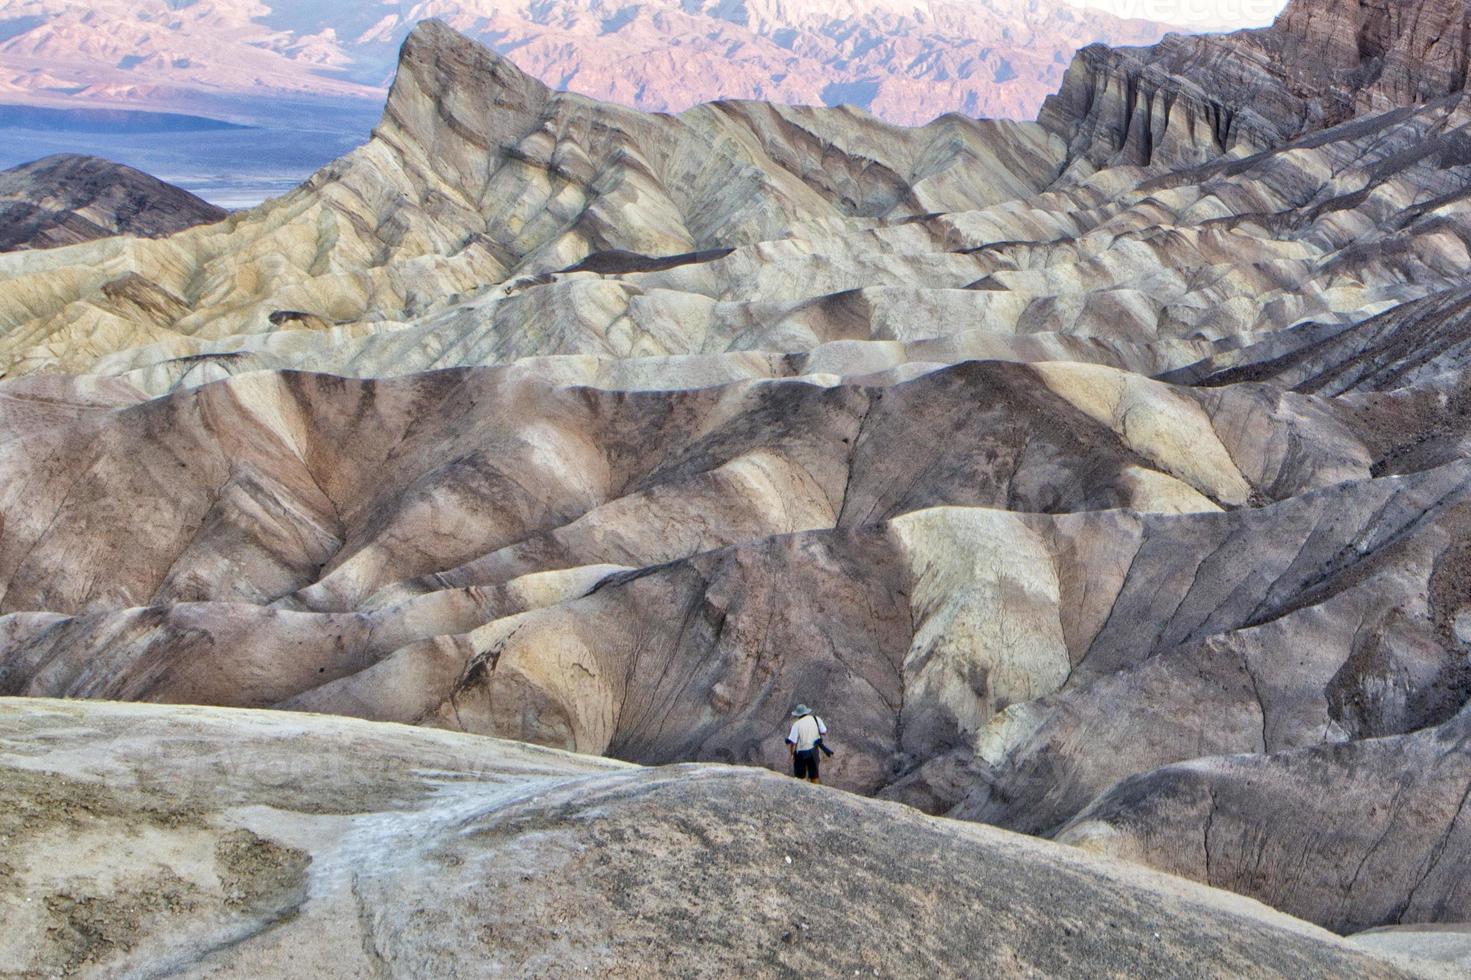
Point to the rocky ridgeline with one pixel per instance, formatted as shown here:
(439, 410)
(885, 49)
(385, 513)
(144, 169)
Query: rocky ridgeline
(1103, 478)
(1191, 98)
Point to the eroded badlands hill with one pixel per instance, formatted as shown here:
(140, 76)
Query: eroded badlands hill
(65, 199)
(1103, 478)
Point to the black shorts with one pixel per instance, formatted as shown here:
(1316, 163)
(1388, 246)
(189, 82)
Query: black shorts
(804, 764)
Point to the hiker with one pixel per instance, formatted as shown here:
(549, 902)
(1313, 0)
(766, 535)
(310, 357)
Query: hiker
(804, 741)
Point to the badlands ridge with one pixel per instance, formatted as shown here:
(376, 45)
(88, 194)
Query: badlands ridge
(1103, 478)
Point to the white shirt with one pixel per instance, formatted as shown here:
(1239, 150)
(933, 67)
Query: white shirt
(806, 731)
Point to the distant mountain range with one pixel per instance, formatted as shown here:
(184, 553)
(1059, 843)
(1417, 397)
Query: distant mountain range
(907, 61)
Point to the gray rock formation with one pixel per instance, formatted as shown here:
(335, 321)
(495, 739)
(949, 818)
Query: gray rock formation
(1412, 835)
(257, 842)
(1323, 62)
(65, 199)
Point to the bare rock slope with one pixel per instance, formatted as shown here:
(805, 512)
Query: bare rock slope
(254, 840)
(1422, 861)
(1103, 478)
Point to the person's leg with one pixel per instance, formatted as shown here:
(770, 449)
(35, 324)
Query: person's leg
(812, 768)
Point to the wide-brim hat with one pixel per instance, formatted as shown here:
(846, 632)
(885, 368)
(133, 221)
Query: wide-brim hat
(801, 710)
